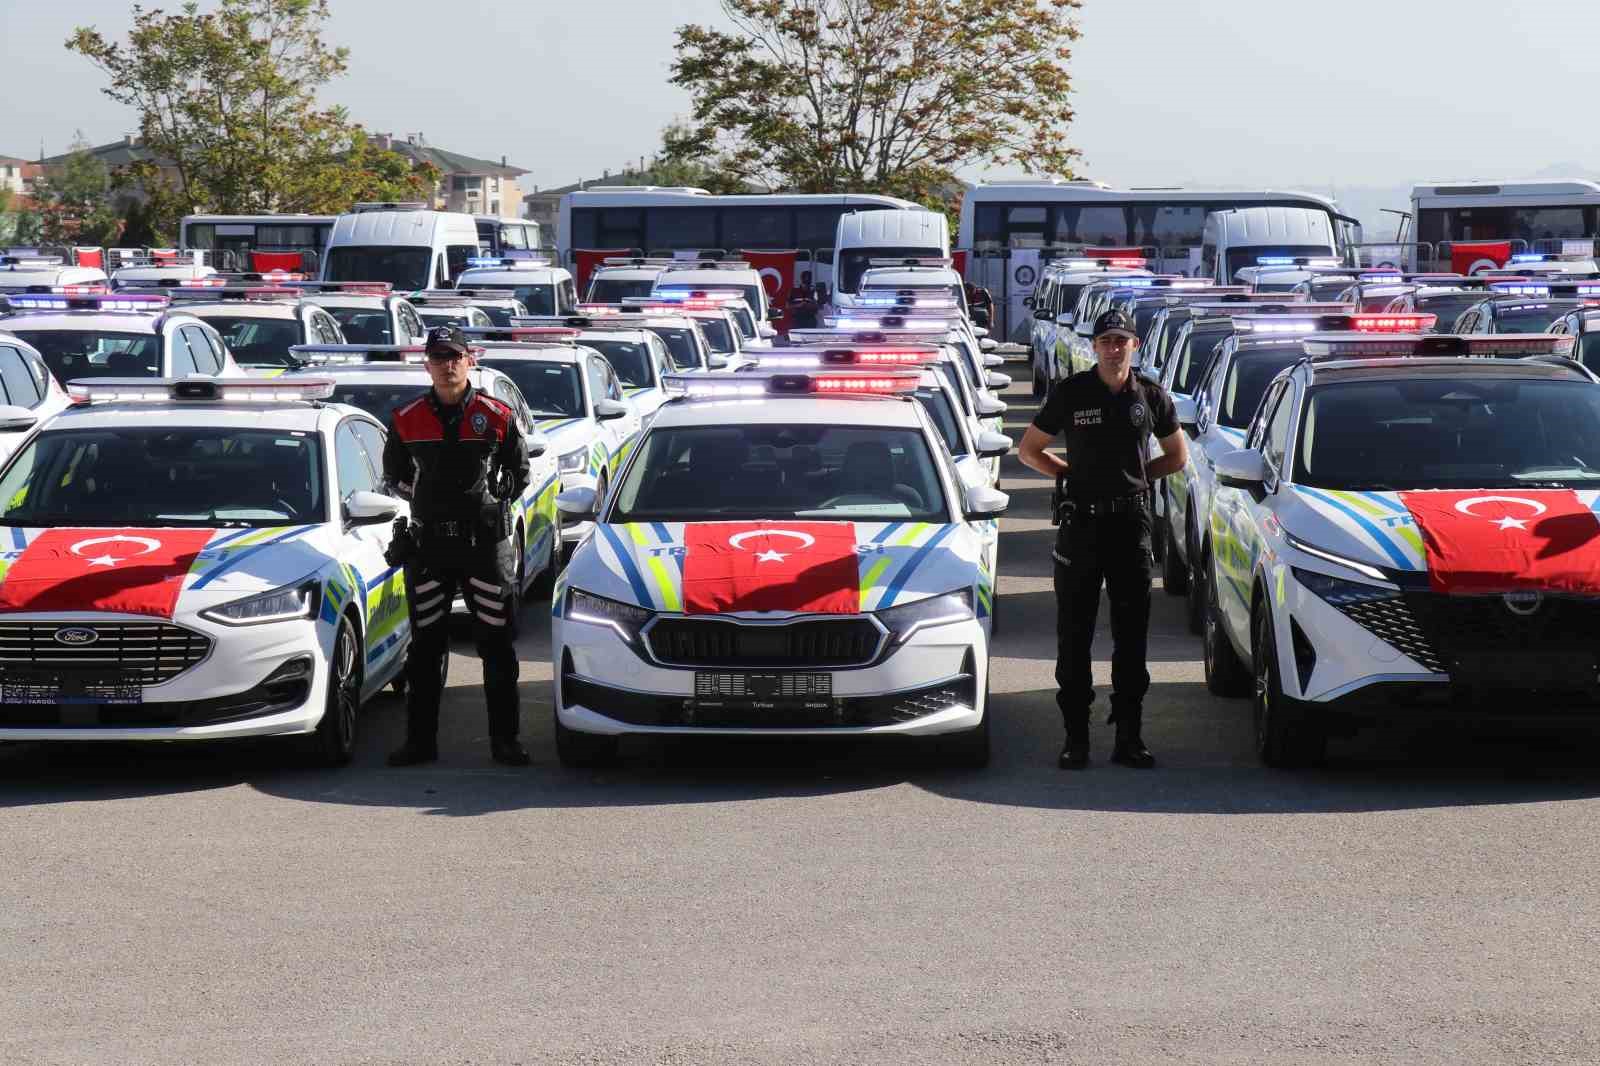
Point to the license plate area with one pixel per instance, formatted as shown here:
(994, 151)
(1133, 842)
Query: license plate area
(772, 689)
(38, 689)
(1566, 670)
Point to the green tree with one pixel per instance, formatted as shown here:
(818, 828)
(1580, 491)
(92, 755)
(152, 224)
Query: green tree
(889, 96)
(74, 200)
(229, 114)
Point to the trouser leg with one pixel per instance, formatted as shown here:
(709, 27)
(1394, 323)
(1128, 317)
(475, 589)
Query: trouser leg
(488, 591)
(1077, 584)
(1128, 589)
(429, 591)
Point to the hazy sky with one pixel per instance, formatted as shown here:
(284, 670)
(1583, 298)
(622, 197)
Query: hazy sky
(1246, 92)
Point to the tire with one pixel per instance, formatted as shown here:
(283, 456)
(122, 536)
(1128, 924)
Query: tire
(1194, 609)
(584, 751)
(1174, 575)
(334, 742)
(1286, 735)
(1225, 673)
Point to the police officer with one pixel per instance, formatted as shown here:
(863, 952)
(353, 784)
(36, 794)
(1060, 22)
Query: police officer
(459, 457)
(1107, 415)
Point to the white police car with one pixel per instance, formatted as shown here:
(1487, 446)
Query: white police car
(783, 554)
(29, 393)
(368, 312)
(380, 378)
(542, 288)
(160, 271)
(196, 559)
(719, 326)
(48, 273)
(450, 310)
(621, 277)
(121, 335)
(637, 355)
(706, 278)
(260, 323)
(1055, 301)
(1405, 536)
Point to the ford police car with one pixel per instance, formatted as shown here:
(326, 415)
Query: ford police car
(195, 559)
(783, 554)
(1405, 535)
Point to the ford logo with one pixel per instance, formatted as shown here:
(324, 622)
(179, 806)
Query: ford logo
(76, 636)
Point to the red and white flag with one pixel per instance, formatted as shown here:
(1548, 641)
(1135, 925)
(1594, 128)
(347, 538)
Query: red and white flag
(777, 274)
(1503, 540)
(137, 571)
(1470, 257)
(587, 260)
(756, 566)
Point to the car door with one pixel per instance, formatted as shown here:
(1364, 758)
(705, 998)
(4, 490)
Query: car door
(615, 434)
(1234, 513)
(358, 465)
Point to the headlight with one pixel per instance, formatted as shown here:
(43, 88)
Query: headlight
(625, 618)
(1339, 592)
(903, 622)
(279, 605)
(575, 461)
(1311, 549)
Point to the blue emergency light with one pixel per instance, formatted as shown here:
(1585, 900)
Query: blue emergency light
(103, 302)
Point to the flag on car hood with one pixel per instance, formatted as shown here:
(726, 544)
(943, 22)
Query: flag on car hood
(784, 566)
(137, 571)
(1501, 540)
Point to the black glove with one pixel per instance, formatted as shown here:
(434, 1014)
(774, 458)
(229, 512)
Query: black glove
(403, 545)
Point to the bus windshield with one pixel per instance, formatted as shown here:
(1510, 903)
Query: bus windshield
(404, 268)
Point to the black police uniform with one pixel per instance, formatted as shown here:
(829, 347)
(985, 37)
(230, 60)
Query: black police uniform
(1104, 538)
(459, 465)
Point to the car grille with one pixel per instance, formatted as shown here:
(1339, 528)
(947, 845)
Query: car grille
(145, 653)
(1394, 623)
(638, 708)
(707, 642)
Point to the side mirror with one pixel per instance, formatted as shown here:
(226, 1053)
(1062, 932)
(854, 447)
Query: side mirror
(1243, 469)
(987, 406)
(773, 314)
(996, 381)
(1064, 318)
(1042, 314)
(16, 419)
(980, 332)
(985, 345)
(717, 362)
(363, 508)
(992, 445)
(577, 503)
(1027, 301)
(1188, 416)
(538, 444)
(982, 502)
(606, 410)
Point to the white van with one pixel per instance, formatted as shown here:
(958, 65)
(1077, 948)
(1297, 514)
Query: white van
(406, 245)
(867, 235)
(1241, 237)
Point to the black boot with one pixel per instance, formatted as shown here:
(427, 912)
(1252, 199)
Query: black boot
(414, 753)
(1130, 749)
(1075, 752)
(509, 752)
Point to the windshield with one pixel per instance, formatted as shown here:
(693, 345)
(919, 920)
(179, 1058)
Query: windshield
(630, 359)
(1249, 374)
(767, 471)
(377, 399)
(165, 477)
(1326, 289)
(550, 390)
(404, 268)
(438, 316)
(1461, 432)
(1528, 318)
(1239, 258)
(363, 325)
(615, 290)
(856, 261)
(680, 342)
(538, 299)
(259, 341)
(501, 316)
(91, 353)
(719, 335)
(1198, 347)
(937, 403)
(1448, 307)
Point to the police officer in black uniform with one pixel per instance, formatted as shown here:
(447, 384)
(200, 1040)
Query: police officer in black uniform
(1108, 415)
(460, 458)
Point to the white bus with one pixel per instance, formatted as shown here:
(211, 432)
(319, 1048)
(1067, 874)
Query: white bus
(259, 242)
(1010, 229)
(652, 220)
(1523, 216)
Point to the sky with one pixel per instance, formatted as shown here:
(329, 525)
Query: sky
(1355, 95)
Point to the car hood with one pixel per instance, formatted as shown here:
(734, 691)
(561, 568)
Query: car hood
(869, 565)
(1369, 527)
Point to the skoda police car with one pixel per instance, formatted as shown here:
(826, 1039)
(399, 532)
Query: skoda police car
(380, 378)
(260, 323)
(1408, 535)
(123, 334)
(194, 559)
(537, 284)
(783, 554)
(368, 312)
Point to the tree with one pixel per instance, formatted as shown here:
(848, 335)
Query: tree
(74, 200)
(228, 108)
(887, 96)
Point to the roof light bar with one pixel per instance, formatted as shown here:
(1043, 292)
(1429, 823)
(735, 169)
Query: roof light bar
(361, 288)
(519, 332)
(490, 262)
(1298, 261)
(103, 301)
(265, 293)
(203, 390)
(356, 354)
(912, 261)
(1445, 344)
(745, 385)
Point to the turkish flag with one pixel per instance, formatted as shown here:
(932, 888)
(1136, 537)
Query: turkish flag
(958, 261)
(586, 259)
(88, 257)
(1469, 257)
(770, 566)
(1113, 253)
(136, 571)
(1501, 540)
(777, 271)
(289, 262)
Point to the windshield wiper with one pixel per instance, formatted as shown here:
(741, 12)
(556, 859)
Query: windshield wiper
(40, 518)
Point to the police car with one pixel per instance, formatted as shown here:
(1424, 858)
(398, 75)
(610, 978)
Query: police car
(379, 378)
(542, 288)
(120, 335)
(620, 277)
(1543, 264)
(29, 393)
(259, 324)
(499, 306)
(695, 280)
(715, 318)
(784, 554)
(195, 559)
(1054, 303)
(1446, 301)
(639, 357)
(48, 273)
(1405, 535)
(452, 310)
(1584, 324)
(575, 399)
(159, 271)
(1514, 308)
(686, 342)
(753, 334)
(923, 283)
(368, 312)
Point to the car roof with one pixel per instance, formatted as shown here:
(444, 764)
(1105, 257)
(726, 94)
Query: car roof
(778, 410)
(305, 417)
(245, 309)
(510, 274)
(548, 353)
(1403, 367)
(106, 321)
(348, 299)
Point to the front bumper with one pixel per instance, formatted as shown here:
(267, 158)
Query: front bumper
(934, 683)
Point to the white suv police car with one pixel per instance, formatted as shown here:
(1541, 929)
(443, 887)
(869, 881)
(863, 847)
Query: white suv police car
(122, 335)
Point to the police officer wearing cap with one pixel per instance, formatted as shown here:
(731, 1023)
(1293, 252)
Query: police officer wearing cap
(460, 458)
(1107, 416)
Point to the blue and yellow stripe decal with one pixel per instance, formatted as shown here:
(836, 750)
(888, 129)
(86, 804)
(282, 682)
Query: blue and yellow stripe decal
(660, 574)
(641, 592)
(241, 549)
(1367, 516)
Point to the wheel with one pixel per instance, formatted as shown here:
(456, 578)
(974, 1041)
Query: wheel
(584, 751)
(1225, 674)
(1286, 734)
(1195, 608)
(334, 742)
(1174, 575)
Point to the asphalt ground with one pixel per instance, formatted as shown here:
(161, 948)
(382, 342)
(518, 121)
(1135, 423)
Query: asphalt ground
(1427, 898)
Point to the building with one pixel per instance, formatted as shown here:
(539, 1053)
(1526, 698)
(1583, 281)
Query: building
(475, 186)
(130, 149)
(16, 173)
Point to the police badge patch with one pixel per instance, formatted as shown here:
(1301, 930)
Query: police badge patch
(480, 422)
(1136, 414)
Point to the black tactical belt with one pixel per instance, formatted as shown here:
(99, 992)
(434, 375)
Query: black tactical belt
(460, 529)
(1109, 505)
